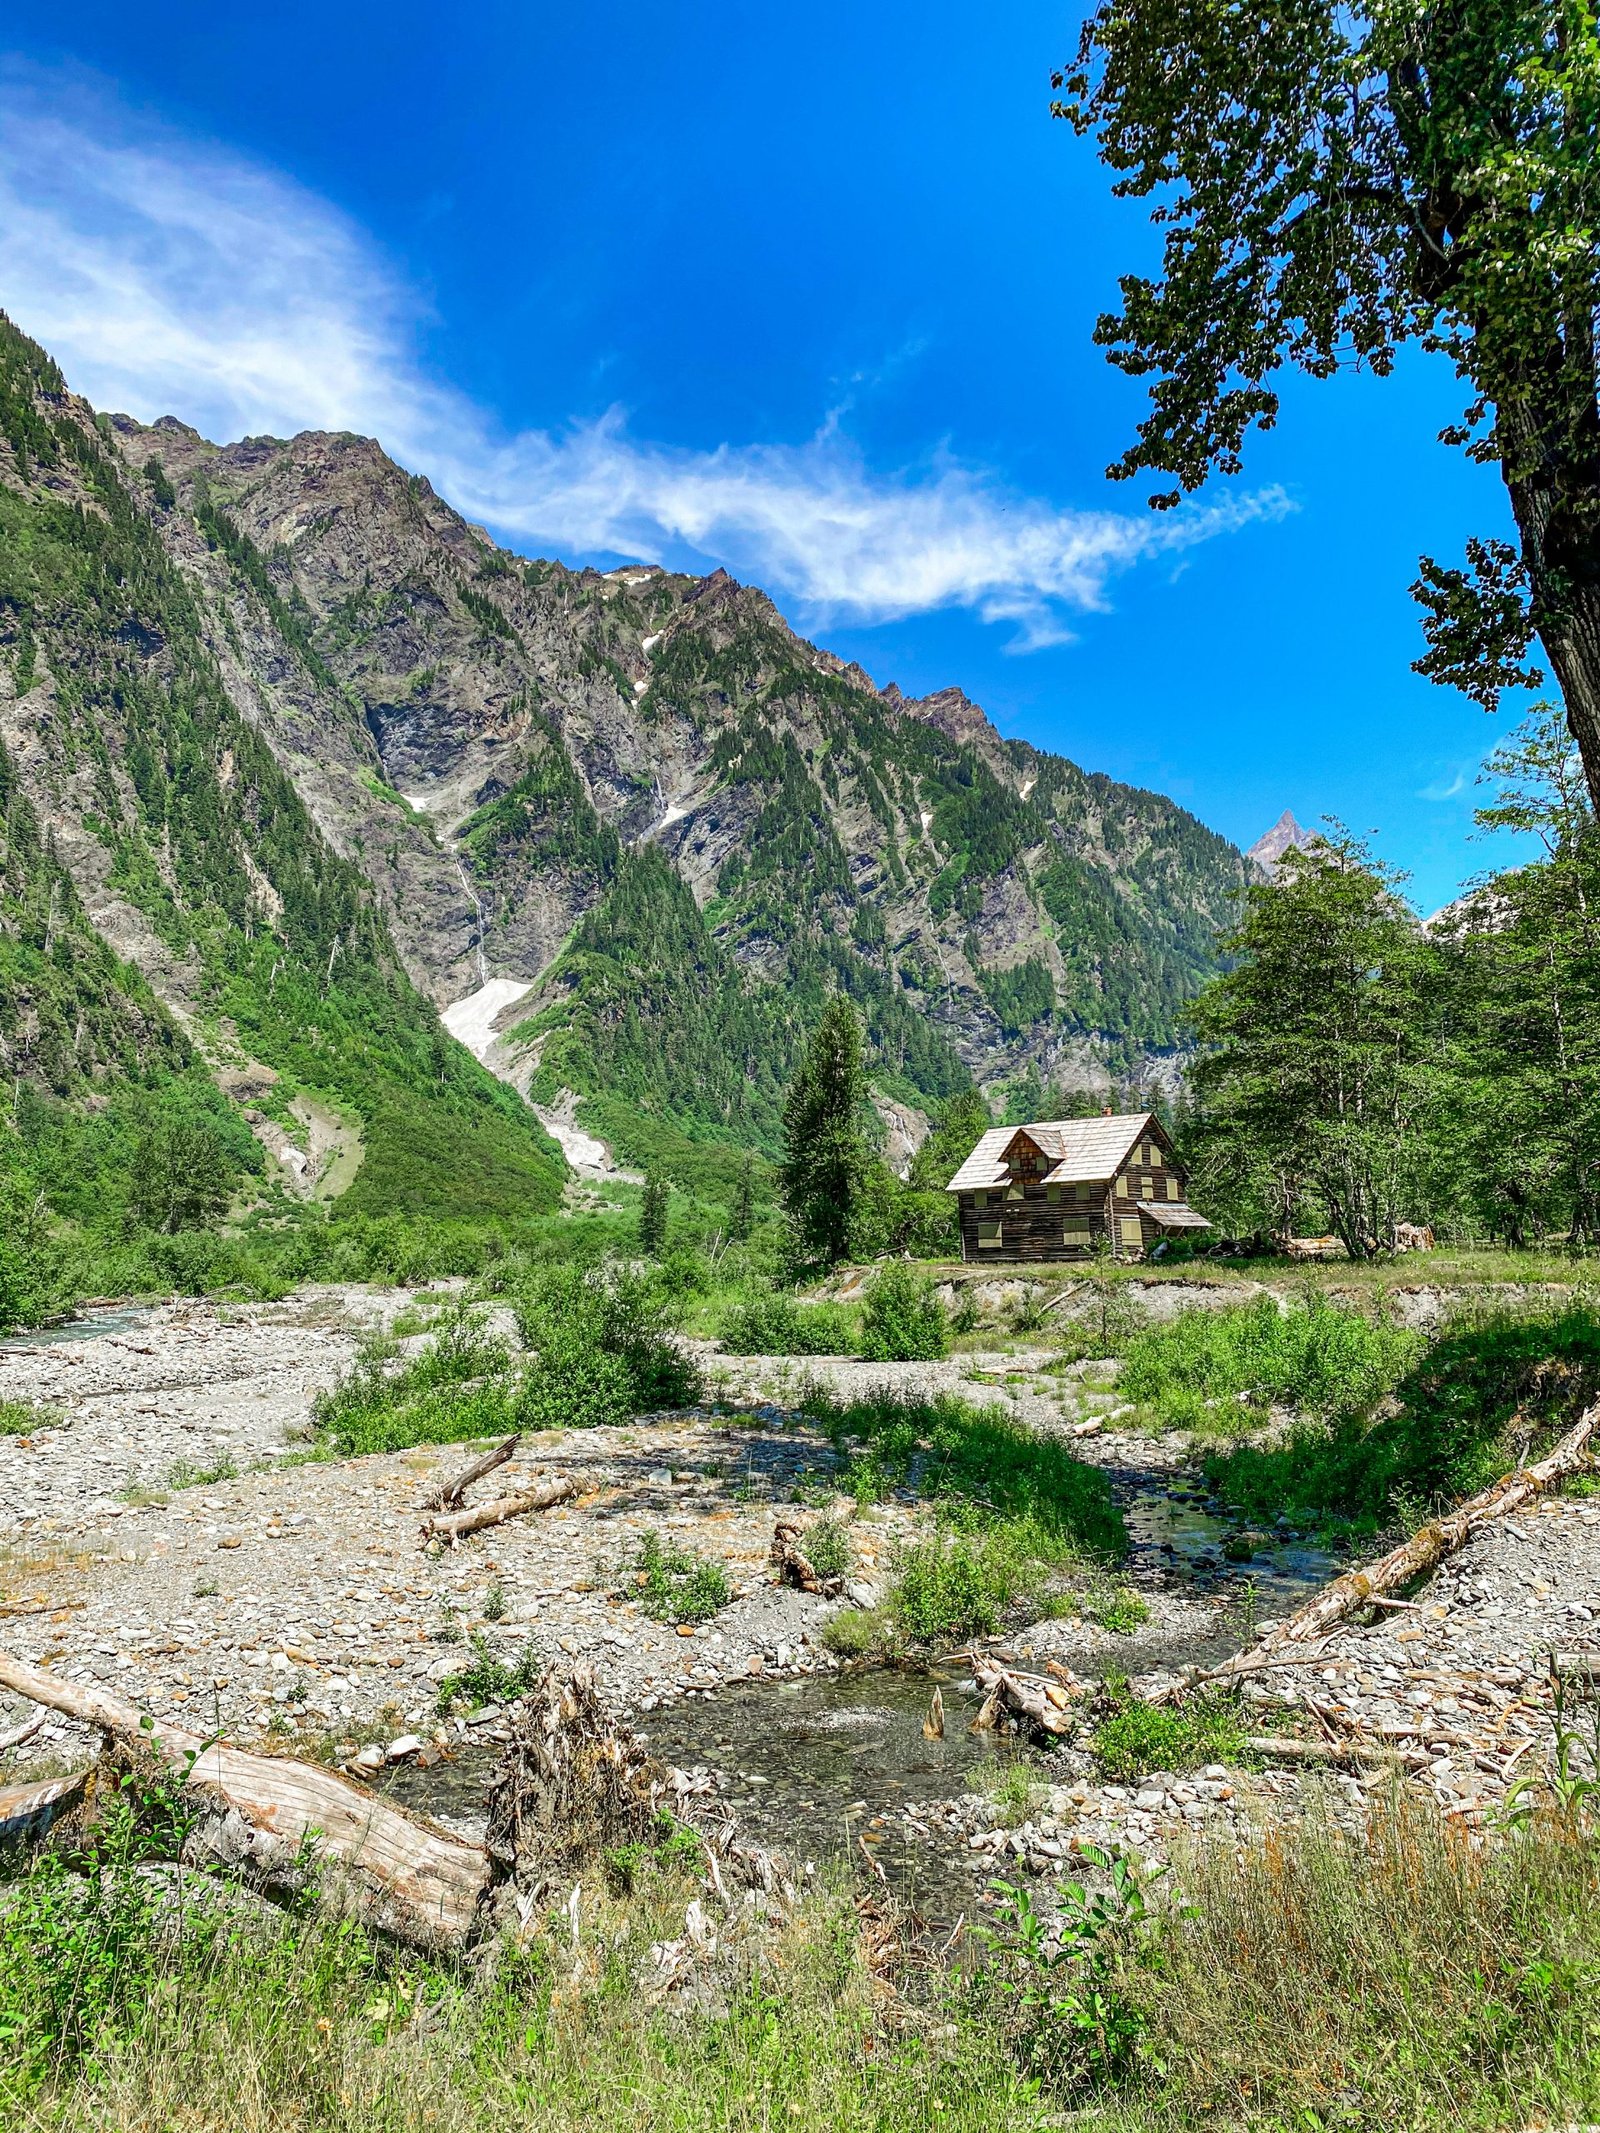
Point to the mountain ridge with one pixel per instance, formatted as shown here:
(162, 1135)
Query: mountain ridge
(635, 805)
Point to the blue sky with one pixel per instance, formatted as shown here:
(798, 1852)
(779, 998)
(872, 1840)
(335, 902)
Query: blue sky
(807, 296)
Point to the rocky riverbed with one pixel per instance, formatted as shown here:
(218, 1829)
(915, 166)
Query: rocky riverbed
(164, 1532)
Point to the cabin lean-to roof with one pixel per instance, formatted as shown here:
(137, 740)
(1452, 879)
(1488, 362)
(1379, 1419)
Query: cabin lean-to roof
(1080, 1150)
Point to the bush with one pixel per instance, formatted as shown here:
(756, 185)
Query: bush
(1140, 1737)
(775, 1324)
(602, 1352)
(1461, 1415)
(963, 1584)
(902, 1320)
(1320, 1358)
(458, 1387)
(486, 1678)
(676, 1586)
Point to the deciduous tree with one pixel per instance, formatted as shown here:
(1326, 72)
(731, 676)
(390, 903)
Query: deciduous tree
(1335, 178)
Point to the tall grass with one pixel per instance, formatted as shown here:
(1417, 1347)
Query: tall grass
(278, 2024)
(1221, 1370)
(1404, 1975)
(1493, 1385)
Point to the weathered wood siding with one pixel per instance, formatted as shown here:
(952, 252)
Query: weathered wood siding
(1034, 1225)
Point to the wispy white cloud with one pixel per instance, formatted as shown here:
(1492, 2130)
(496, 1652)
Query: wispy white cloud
(174, 277)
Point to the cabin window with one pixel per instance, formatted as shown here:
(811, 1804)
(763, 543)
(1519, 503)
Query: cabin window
(980, 1199)
(1085, 1193)
(1075, 1236)
(988, 1236)
(1172, 1188)
(1153, 1157)
(1053, 1195)
(1132, 1233)
(1015, 1193)
(1125, 1186)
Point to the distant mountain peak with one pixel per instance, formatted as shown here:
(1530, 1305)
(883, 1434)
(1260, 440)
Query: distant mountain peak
(1285, 835)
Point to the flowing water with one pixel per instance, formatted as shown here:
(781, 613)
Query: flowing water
(119, 1318)
(824, 1766)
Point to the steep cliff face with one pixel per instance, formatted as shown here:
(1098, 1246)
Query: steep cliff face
(624, 831)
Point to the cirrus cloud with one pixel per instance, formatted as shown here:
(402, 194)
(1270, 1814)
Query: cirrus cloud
(170, 276)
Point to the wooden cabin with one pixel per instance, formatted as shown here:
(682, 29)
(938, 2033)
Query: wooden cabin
(1066, 1188)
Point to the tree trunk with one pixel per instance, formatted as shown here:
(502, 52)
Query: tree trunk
(1555, 499)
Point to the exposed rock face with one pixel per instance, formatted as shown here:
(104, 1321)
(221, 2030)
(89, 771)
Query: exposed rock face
(1285, 835)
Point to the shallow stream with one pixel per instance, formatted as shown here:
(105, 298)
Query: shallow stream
(94, 1325)
(824, 1766)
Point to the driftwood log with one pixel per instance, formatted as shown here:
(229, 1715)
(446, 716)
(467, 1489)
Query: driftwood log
(1034, 1700)
(1343, 1755)
(280, 1824)
(27, 1811)
(794, 1566)
(455, 1525)
(450, 1495)
(1414, 1558)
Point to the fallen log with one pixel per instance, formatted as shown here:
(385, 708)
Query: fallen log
(450, 1495)
(285, 1826)
(454, 1526)
(27, 1811)
(794, 1566)
(1414, 1558)
(1284, 1748)
(1035, 1699)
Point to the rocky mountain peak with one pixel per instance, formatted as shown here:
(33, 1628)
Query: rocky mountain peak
(1285, 835)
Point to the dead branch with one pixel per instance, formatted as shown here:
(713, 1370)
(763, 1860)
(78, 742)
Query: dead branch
(1414, 1558)
(794, 1566)
(285, 1826)
(450, 1495)
(455, 1525)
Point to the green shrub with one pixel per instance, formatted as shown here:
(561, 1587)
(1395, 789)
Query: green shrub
(1122, 1610)
(902, 1320)
(1320, 1358)
(775, 1324)
(486, 1678)
(602, 1352)
(963, 1584)
(1139, 1737)
(826, 1547)
(20, 1418)
(1460, 1415)
(677, 1586)
(458, 1387)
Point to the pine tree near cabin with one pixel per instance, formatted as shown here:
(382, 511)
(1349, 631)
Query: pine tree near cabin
(825, 1155)
(1334, 180)
(653, 1215)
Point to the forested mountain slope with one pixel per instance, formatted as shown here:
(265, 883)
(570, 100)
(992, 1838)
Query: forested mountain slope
(311, 746)
(147, 813)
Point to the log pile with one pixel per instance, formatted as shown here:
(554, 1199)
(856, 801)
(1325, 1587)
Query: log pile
(1036, 1703)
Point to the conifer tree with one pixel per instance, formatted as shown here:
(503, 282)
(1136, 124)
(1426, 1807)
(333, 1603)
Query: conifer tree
(653, 1215)
(742, 1215)
(826, 1160)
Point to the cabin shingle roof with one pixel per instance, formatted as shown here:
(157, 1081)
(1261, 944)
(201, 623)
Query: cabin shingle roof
(1082, 1150)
